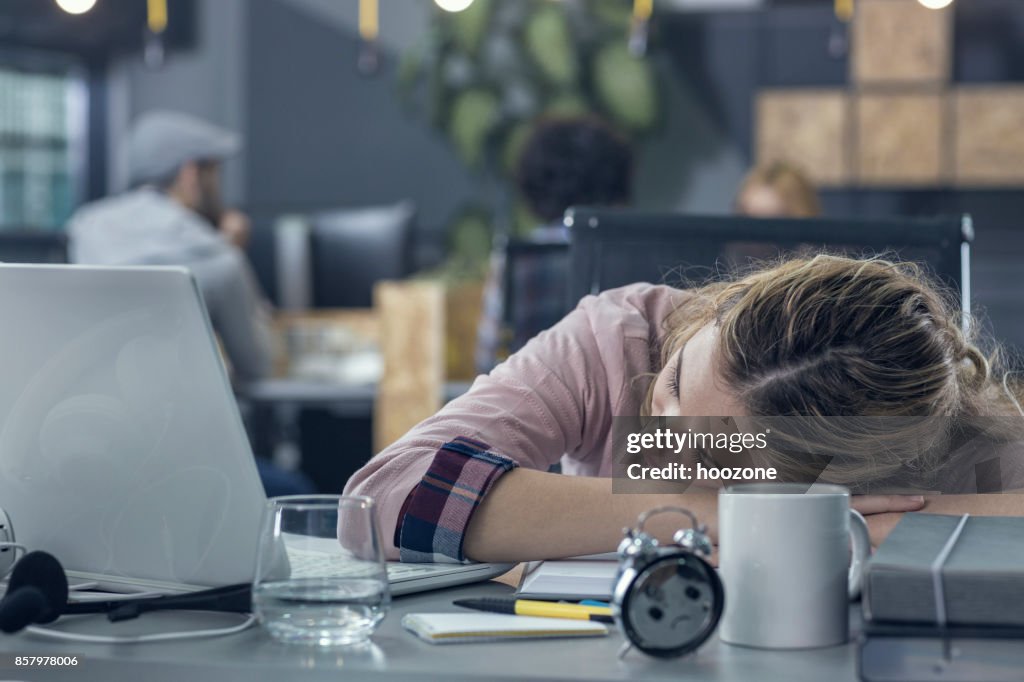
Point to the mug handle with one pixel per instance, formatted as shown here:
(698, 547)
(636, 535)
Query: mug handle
(861, 551)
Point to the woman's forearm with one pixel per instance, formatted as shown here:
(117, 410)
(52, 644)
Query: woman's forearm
(530, 515)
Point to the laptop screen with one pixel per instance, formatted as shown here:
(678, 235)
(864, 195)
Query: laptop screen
(121, 448)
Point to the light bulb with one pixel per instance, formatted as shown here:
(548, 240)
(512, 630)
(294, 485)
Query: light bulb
(453, 5)
(936, 4)
(76, 6)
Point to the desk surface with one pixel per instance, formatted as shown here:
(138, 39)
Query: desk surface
(397, 655)
(356, 398)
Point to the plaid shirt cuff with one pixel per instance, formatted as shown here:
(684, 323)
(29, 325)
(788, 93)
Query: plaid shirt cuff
(434, 518)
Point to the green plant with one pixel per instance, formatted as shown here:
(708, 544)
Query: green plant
(488, 72)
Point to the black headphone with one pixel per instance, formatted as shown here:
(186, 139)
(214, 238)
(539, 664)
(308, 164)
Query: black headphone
(37, 592)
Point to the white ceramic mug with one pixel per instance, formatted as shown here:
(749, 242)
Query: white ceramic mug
(785, 561)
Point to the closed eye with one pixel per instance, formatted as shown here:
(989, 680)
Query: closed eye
(673, 377)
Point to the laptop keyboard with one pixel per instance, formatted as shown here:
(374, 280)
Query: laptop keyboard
(306, 562)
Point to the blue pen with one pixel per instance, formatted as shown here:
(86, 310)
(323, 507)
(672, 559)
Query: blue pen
(595, 602)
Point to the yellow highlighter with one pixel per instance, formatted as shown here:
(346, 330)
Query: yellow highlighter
(543, 609)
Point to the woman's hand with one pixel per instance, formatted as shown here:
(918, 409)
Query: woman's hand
(881, 504)
(880, 525)
(883, 512)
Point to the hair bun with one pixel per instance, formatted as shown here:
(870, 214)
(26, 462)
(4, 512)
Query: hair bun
(972, 354)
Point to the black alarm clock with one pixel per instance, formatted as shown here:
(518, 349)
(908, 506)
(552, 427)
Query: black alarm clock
(667, 599)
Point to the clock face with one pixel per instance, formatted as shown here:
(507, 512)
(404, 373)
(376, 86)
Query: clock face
(673, 605)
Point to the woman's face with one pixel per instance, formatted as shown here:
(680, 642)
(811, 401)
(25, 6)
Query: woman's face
(689, 385)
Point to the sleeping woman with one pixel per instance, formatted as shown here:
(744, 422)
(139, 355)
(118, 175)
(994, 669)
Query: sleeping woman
(822, 336)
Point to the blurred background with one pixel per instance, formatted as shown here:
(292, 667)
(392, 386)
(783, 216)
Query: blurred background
(383, 140)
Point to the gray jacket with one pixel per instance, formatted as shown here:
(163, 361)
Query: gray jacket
(146, 227)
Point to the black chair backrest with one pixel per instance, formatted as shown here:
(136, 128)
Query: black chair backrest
(353, 249)
(614, 247)
(33, 246)
(540, 270)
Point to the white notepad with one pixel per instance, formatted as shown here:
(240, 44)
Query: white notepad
(453, 628)
(574, 580)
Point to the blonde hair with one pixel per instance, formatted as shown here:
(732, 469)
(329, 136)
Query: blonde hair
(831, 336)
(792, 185)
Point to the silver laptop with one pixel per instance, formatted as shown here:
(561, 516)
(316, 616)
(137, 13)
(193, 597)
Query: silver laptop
(122, 451)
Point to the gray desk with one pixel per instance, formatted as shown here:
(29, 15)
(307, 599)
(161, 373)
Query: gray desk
(397, 655)
(351, 400)
(272, 409)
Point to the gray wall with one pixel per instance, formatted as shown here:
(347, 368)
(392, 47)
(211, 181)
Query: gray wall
(326, 136)
(208, 81)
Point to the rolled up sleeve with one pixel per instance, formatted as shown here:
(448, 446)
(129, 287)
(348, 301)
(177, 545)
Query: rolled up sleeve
(433, 522)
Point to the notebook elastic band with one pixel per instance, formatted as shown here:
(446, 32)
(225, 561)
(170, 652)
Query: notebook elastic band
(936, 570)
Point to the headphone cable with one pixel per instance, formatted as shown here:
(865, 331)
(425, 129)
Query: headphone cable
(63, 635)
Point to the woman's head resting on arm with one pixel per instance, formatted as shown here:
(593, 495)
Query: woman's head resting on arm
(826, 337)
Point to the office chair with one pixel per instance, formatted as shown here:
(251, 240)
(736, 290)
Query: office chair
(33, 246)
(614, 247)
(538, 270)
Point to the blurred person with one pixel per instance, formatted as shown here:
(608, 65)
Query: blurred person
(777, 190)
(173, 215)
(565, 162)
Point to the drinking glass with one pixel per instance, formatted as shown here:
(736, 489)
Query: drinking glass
(320, 572)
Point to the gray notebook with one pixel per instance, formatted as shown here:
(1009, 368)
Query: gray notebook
(982, 577)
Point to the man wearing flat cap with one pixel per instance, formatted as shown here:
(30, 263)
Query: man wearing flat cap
(173, 216)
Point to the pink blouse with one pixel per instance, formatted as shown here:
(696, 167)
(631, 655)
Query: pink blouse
(552, 401)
